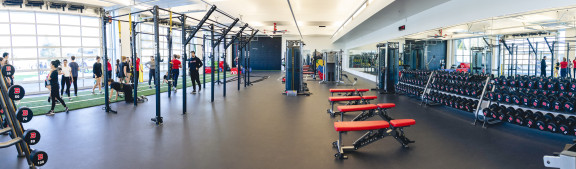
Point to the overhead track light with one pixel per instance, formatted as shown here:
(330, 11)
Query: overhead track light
(38, 3)
(76, 7)
(13, 3)
(58, 5)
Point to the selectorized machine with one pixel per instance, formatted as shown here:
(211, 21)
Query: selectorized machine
(294, 74)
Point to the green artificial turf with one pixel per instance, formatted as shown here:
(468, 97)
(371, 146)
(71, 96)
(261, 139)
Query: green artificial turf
(40, 105)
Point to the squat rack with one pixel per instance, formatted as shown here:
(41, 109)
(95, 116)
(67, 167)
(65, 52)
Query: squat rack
(185, 41)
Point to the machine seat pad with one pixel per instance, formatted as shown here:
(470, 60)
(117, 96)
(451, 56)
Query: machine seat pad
(369, 97)
(362, 107)
(344, 98)
(341, 90)
(360, 125)
(402, 122)
(386, 105)
(362, 90)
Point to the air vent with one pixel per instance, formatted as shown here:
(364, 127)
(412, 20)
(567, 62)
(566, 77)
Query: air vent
(322, 26)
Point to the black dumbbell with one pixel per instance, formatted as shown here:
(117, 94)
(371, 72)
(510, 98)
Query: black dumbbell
(567, 127)
(531, 122)
(541, 124)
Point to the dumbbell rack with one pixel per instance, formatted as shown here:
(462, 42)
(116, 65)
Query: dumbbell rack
(13, 119)
(411, 85)
(480, 100)
(525, 108)
(485, 120)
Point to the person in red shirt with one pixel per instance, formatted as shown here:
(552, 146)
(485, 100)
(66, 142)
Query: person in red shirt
(563, 67)
(109, 69)
(175, 70)
(574, 66)
(137, 73)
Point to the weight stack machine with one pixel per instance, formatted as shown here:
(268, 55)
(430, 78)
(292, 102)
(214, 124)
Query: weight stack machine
(12, 122)
(330, 69)
(387, 66)
(294, 77)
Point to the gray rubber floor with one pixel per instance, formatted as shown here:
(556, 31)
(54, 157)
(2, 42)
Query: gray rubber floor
(258, 127)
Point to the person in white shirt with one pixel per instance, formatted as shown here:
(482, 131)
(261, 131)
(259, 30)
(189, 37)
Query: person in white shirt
(66, 79)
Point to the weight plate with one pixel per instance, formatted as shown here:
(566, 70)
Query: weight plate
(8, 70)
(39, 158)
(16, 92)
(24, 114)
(31, 136)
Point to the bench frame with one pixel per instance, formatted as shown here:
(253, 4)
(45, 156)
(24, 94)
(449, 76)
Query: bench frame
(369, 137)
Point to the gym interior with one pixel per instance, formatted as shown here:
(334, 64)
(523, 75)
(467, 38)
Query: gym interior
(287, 84)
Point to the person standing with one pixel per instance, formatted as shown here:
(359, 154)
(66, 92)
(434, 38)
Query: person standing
(175, 71)
(74, 66)
(569, 68)
(194, 65)
(543, 67)
(97, 71)
(126, 69)
(137, 73)
(66, 79)
(563, 67)
(556, 69)
(54, 94)
(119, 71)
(109, 69)
(152, 73)
(5, 61)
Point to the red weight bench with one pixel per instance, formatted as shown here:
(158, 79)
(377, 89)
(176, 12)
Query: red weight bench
(352, 100)
(376, 131)
(382, 107)
(368, 110)
(349, 92)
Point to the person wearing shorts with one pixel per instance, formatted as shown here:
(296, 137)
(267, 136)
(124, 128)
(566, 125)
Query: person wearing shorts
(97, 70)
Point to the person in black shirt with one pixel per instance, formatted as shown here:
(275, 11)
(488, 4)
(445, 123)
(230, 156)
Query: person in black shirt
(194, 65)
(54, 86)
(121, 87)
(97, 70)
(543, 67)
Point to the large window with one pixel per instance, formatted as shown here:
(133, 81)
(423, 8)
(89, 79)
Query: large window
(33, 39)
(147, 47)
(462, 49)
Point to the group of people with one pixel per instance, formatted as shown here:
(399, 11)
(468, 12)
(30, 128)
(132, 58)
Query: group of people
(564, 67)
(69, 72)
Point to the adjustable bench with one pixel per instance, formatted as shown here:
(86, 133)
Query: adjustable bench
(382, 107)
(349, 92)
(352, 100)
(368, 110)
(376, 131)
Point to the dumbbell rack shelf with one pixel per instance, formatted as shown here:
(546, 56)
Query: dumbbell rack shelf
(404, 83)
(555, 113)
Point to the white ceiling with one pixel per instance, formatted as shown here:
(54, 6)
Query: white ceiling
(260, 14)
(535, 21)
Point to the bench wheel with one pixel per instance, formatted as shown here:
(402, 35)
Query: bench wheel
(335, 144)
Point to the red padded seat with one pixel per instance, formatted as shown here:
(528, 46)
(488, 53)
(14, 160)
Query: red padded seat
(344, 98)
(342, 90)
(402, 122)
(362, 90)
(349, 108)
(386, 105)
(369, 97)
(360, 125)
